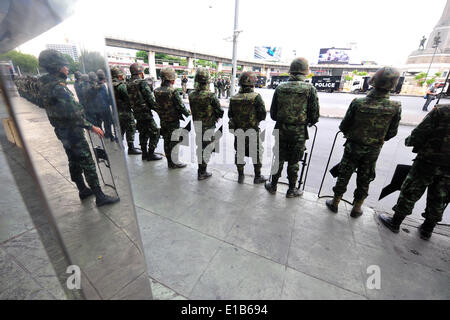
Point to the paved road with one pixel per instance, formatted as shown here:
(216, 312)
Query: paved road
(394, 152)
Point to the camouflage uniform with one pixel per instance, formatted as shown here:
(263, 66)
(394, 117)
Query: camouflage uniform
(126, 118)
(89, 93)
(103, 102)
(294, 106)
(67, 117)
(170, 109)
(368, 123)
(77, 85)
(205, 108)
(245, 112)
(431, 169)
(142, 102)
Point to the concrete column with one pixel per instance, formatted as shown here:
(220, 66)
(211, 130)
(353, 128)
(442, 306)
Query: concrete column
(152, 64)
(219, 66)
(190, 62)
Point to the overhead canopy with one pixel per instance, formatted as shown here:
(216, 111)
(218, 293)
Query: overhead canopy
(22, 20)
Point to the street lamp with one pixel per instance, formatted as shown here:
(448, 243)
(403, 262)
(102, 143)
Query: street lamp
(235, 35)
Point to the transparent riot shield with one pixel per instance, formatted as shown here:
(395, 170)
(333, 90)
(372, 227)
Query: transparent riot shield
(72, 166)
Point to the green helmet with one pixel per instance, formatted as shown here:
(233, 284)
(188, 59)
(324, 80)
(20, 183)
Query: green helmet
(101, 74)
(168, 73)
(385, 78)
(92, 76)
(84, 77)
(52, 60)
(77, 75)
(247, 78)
(202, 75)
(136, 68)
(116, 72)
(299, 65)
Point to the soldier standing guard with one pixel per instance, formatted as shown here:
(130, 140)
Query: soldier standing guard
(77, 85)
(246, 111)
(126, 118)
(368, 123)
(206, 111)
(66, 116)
(431, 169)
(170, 110)
(294, 106)
(143, 101)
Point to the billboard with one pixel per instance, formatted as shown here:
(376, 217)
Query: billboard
(334, 56)
(267, 53)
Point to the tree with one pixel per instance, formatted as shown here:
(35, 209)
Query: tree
(92, 61)
(143, 55)
(73, 65)
(26, 62)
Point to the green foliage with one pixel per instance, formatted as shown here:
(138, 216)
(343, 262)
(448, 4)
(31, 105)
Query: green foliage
(205, 63)
(143, 55)
(359, 73)
(420, 82)
(421, 75)
(167, 58)
(431, 81)
(284, 74)
(438, 74)
(27, 63)
(92, 61)
(348, 78)
(73, 65)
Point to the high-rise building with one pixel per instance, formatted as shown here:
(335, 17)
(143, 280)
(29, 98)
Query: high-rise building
(65, 48)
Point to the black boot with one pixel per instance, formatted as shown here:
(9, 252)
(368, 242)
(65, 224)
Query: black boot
(202, 174)
(426, 229)
(102, 199)
(83, 190)
(272, 185)
(258, 177)
(241, 175)
(293, 191)
(132, 150)
(392, 223)
(144, 152)
(333, 204)
(152, 156)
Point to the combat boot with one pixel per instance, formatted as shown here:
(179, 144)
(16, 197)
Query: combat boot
(202, 174)
(132, 150)
(356, 210)
(271, 186)
(258, 177)
(293, 192)
(152, 156)
(144, 152)
(102, 199)
(426, 229)
(241, 176)
(83, 190)
(333, 203)
(173, 165)
(392, 223)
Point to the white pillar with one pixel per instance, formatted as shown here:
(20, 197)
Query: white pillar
(190, 63)
(219, 66)
(152, 64)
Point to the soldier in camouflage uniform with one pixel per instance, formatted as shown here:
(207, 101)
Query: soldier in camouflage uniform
(89, 93)
(66, 116)
(77, 85)
(126, 118)
(368, 123)
(431, 169)
(295, 105)
(103, 104)
(143, 101)
(246, 111)
(170, 110)
(206, 111)
(84, 87)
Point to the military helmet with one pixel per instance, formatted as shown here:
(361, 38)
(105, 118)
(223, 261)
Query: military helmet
(385, 78)
(84, 77)
(52, 60)
(202, 75)
(77, 75)
(299, 65)
(168, 73)
(247, 78)
(116, 72)
(136, 68)
(92, 76)
(101, 74)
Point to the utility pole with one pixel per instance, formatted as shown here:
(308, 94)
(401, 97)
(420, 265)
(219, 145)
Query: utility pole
(436, 42)
(235, 35)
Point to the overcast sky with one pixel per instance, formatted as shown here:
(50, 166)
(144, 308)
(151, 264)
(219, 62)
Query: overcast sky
(386, 31)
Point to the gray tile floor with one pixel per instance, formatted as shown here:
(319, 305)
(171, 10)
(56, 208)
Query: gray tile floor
(216, 239)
